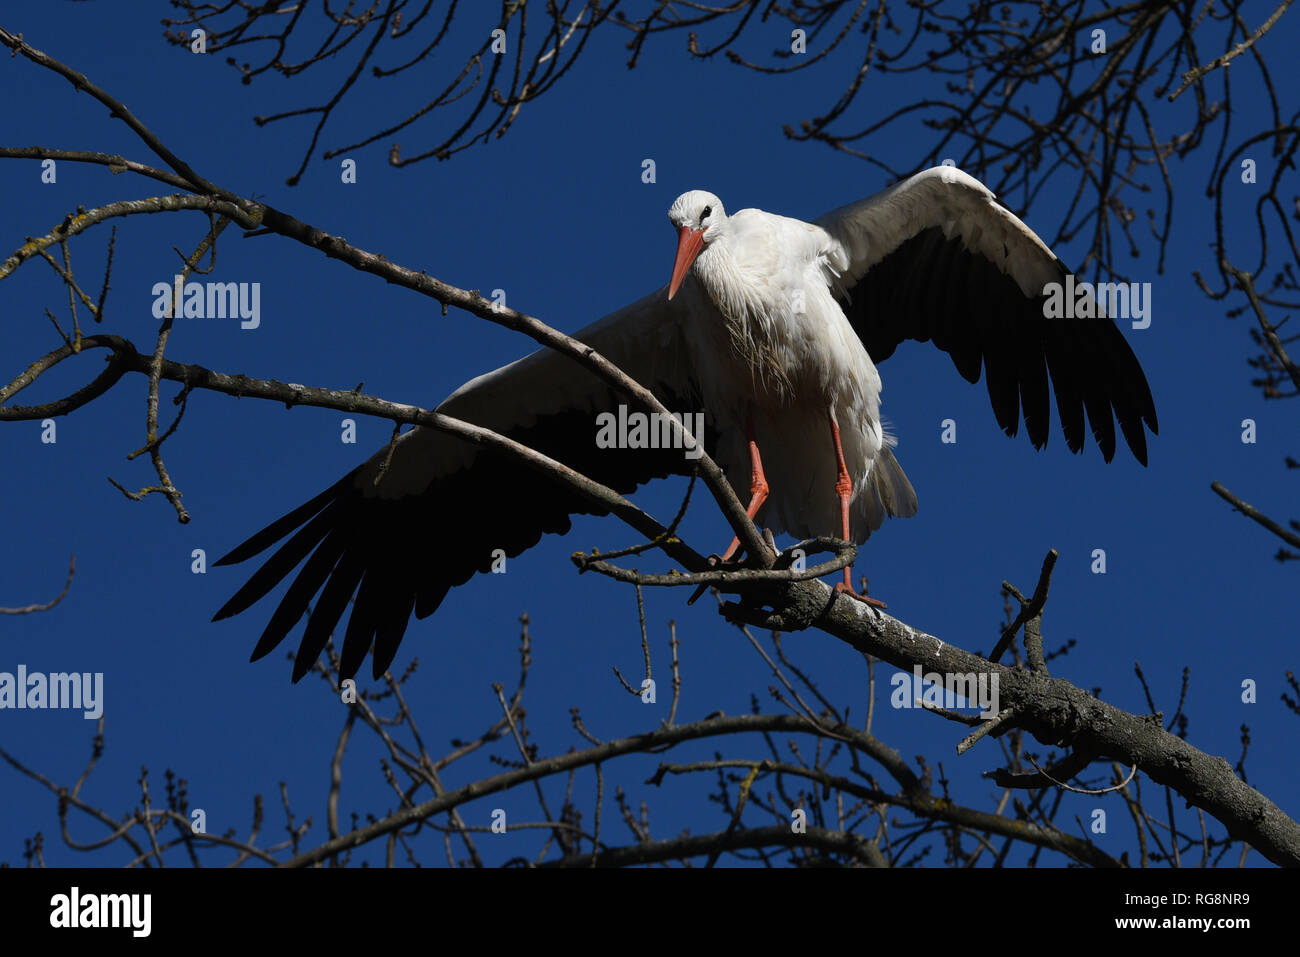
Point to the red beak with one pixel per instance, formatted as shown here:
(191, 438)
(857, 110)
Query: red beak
(689, 243)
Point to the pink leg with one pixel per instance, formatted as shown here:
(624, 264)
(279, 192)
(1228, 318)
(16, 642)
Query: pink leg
(844, 488)
(758, 488)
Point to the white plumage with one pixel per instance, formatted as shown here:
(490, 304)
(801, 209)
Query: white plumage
(770, 325)
(770, 344)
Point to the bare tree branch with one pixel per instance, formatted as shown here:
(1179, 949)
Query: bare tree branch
(31, 609)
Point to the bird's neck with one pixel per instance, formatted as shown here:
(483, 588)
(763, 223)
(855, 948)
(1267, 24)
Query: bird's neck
(748, 333)
(726, 282)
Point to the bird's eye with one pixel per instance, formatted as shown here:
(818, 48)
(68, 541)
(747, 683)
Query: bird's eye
(705, 215)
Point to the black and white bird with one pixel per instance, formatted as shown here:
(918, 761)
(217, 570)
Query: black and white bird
(772, 326)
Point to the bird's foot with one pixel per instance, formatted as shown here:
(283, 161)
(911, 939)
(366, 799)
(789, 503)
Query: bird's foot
(845, 589)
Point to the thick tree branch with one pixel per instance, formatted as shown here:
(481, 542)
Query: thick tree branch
(126, 358)
(1054, 711)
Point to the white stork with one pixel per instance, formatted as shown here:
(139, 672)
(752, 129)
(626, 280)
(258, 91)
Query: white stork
(773, 326)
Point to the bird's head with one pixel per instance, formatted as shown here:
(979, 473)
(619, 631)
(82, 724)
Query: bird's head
(699, 219)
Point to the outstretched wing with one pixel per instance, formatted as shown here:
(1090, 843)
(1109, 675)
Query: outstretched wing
(445, 505)
(936, 257)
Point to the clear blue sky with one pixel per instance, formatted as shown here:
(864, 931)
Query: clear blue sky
(557, 215)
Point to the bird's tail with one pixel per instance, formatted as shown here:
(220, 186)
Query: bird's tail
(888, 494)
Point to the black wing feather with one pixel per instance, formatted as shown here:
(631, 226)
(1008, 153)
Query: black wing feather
(932, 286)
(403, 555)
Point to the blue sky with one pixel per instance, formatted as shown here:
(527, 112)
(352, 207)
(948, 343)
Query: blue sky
(557, 215)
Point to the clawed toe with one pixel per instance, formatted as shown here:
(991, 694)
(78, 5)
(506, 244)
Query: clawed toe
(844, 589)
